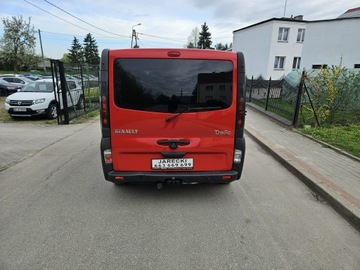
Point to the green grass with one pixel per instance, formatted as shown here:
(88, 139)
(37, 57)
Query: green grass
(346, 138)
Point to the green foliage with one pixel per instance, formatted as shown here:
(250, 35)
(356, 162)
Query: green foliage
(17, 46)
(334, 93)
(76, 54)
(221, 47)
(346, 138)
(91, 51)
(204, 37)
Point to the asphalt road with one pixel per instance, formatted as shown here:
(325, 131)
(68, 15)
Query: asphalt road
(57, 212)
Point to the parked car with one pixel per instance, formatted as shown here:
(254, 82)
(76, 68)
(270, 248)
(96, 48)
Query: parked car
(38, 98)
(7, 88)
(17, 80)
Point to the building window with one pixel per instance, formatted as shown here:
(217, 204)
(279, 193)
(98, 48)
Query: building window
(222, 87)
(319, 66)
(279, 62)
(283, 34)
(357, 66)
(300, 35)
(209, 88)
(296, 63)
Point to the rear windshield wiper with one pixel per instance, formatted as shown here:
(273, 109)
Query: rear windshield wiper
(193, 109)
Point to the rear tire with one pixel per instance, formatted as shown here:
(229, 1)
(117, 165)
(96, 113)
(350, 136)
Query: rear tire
(52, 111)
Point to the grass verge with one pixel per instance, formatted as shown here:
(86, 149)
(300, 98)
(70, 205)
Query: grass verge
(346, 138)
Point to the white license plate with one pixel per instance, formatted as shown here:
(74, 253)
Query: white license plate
(172, 163)
(20, 109)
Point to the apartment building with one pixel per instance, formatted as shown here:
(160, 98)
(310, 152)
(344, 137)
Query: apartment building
(275, 47)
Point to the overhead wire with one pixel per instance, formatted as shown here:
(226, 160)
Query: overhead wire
(83, 20)
(92, 25)
(61, 18)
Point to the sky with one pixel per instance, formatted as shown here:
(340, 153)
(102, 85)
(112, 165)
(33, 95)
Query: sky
(163, 24)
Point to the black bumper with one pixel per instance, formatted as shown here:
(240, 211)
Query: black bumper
(210, 177)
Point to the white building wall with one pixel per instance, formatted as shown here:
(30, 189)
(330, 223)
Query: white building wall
(254, 43)
(260, 46)
(326, 42)
(289, 49)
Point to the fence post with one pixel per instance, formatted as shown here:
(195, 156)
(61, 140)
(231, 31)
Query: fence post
(268, 95)
(251, 84)
(64, 90)
(298, 99)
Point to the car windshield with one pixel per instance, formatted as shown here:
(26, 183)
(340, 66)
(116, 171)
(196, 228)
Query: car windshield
(37, 86)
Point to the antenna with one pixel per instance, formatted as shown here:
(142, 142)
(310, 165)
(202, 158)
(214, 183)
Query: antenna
(285, 7)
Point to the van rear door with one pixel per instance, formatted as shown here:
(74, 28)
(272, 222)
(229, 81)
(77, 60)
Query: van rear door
(172, 111)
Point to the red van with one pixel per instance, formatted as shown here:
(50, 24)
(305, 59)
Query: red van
(172, 115)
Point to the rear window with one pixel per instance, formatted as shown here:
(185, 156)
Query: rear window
(172, 85)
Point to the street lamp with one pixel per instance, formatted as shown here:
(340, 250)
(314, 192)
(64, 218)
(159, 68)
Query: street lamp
(133, 33)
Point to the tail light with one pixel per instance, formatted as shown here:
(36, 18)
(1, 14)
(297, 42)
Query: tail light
(240, 113)
(107, 156)
(104, 111)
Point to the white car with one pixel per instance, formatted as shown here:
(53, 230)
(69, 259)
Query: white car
(38, 98)
(16, 80)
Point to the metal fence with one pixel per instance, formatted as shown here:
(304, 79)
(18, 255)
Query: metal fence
(73, 102)
(278, 97)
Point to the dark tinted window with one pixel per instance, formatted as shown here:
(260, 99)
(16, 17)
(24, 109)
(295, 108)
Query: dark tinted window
(169, 85)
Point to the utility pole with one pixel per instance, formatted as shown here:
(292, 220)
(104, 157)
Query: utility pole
(42, 51)
(285, 8)
(133, 34)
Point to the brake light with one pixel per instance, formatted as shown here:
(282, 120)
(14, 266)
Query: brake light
(107, 156)
(240, 113)
(104, 111)
(174, 54)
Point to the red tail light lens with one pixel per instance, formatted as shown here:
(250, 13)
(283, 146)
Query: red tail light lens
(240, 114)
(104, 111)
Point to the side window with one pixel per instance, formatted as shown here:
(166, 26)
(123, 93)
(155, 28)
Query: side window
(71, 85)
(283, 34)
(279, 62)
(300, 35)
(18, 80)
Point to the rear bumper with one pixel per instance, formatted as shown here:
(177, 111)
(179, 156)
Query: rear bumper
(173, 177)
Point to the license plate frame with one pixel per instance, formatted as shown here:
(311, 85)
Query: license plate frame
(172, 163)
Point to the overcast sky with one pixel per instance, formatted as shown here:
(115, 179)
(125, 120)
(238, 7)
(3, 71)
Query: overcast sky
(163, 23)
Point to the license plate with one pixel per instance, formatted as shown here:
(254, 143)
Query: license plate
(172, 164)
(20, 109)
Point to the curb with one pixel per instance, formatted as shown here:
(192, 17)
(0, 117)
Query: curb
(341, 201)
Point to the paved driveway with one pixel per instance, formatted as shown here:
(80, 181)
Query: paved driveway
(19, 140)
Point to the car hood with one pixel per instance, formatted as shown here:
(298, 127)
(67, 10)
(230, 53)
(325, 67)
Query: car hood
(30, 95)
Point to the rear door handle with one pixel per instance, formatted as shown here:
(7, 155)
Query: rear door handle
(173, 144)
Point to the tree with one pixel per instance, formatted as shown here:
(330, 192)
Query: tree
(76, 54)
(193, 38)
(17, 46)
(65, 58)
(91, 52)
(204, 38)
(220, 46)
